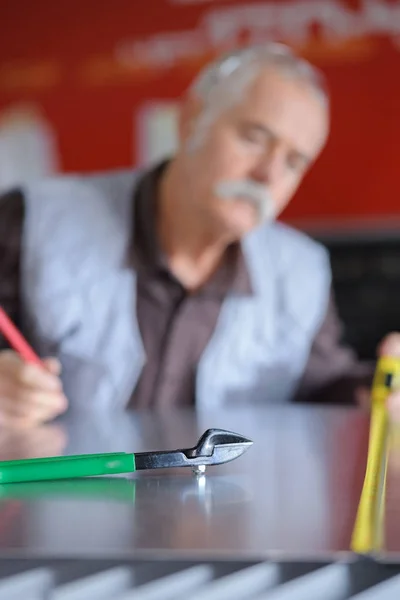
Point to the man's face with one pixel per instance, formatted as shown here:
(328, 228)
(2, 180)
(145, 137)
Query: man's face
(270, 137)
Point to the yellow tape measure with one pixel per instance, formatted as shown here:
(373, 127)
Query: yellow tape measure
(367, 534)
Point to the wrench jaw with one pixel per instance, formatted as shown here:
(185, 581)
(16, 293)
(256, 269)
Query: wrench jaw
(217, 446)
(215, 438)
(224, 454)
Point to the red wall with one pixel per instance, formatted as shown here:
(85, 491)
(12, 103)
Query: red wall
(62, 55)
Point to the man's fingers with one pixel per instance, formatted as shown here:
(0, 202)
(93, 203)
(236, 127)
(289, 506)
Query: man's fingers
(24, 420)
(32, 376)
(12, 422)
(53, 365)
(390, 345)
(37, 405)
(29, 393)
(42, 405)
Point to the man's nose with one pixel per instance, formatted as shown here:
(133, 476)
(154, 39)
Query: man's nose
(269, 167)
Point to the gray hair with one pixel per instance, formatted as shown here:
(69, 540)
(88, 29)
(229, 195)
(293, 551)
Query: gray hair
(222, 81)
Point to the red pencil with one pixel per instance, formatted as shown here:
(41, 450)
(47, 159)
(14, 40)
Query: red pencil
(16, 340)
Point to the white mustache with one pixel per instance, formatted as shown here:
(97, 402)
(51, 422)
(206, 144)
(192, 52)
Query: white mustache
(257, 193)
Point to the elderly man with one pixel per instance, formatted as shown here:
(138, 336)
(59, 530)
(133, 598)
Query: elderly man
(176, 286)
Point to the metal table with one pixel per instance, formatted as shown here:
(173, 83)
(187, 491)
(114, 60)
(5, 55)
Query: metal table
(294, 492)
(276, 523)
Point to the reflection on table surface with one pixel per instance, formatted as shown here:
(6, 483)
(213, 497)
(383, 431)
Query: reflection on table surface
(294, 492)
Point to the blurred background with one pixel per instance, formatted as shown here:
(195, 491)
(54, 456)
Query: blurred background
(86, 86)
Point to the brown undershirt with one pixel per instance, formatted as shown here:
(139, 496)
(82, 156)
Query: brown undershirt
(176, 325)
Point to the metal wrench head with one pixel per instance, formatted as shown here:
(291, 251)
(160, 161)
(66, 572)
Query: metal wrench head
(215, 446)
(218, 446)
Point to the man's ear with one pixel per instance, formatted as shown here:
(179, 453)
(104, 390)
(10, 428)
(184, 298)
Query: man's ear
(190, 109)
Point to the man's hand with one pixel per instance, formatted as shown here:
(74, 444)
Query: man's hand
(390, 346)
(29, 395)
